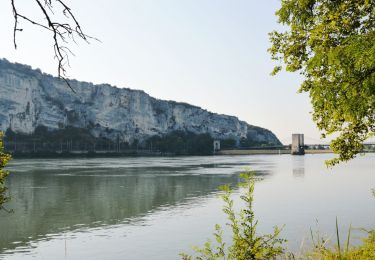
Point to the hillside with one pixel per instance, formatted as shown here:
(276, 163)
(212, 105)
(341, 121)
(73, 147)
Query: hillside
(34, 104)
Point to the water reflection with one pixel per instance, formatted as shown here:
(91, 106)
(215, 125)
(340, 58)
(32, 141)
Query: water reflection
(298, 163)
(155, 208)
(52, 196)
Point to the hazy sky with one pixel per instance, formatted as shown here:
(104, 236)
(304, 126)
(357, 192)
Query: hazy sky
(210, 53)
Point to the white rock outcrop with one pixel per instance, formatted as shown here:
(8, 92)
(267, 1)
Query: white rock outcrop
(30, 98)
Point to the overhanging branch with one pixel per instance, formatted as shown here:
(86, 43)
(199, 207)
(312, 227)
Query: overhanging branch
(62, 31)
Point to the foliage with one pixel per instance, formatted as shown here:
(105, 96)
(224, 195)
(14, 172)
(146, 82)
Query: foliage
(182, 142)
(322, 251)
(252, 142)
(56, 136)
(4, 158)
(44, 142)
(246, 243)
(331, 43)
(228, 143)
(367, 250)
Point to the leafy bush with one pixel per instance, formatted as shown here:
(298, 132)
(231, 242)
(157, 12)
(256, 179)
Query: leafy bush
(246, 243)
(322, 250)
(228, 143)
(4, 158)
(182, 142)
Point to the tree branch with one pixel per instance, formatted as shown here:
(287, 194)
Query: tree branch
(61, 32)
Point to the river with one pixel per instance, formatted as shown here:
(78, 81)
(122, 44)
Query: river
(158, 207)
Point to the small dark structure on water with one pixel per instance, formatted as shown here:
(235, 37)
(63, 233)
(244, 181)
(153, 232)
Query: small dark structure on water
(216, 146)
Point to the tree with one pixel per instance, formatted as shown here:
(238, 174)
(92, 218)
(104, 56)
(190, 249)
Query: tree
(63, 31)
(331, 43)
(4, 158)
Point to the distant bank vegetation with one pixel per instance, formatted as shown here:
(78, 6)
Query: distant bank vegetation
(79, 140)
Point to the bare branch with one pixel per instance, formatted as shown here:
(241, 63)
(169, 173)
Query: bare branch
(15, 28)
(62, 32)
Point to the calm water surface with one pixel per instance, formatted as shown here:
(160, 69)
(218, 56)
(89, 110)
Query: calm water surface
(155, 208)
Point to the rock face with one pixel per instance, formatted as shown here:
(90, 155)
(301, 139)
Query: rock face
(30, 99)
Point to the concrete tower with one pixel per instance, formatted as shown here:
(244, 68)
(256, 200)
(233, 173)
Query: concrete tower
(298, 144)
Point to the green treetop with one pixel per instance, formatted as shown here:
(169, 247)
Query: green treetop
(332, 44)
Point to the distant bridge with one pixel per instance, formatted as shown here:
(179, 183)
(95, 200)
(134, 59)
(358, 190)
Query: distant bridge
(317, 146)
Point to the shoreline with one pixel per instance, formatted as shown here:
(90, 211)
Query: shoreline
(266, 152)
(146, 153)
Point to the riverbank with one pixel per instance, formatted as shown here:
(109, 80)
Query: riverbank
(148, 153)
(89, 154)
(275, 151)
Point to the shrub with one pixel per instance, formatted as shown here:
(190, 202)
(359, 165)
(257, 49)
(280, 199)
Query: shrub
(246, 242)
(4, 158)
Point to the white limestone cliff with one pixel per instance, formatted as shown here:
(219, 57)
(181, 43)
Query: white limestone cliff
(30, 98)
